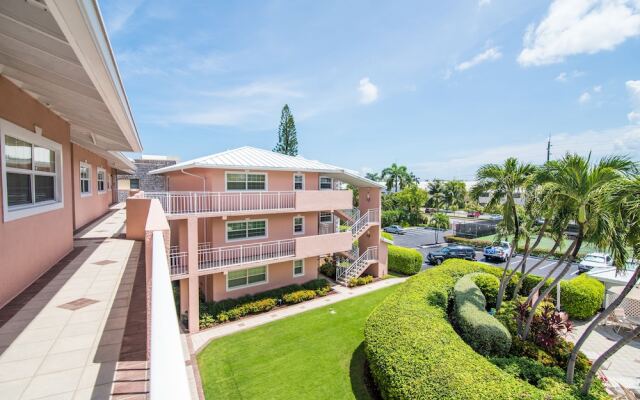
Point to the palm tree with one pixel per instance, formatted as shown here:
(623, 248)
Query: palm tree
(623, 202)
(503, 182)
(374, 176)
(439, 222)
(396, 176)
(579, 185)
(437, 197)
(455, 193)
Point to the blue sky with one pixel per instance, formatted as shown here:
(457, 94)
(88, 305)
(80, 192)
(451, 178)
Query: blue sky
(441, 87)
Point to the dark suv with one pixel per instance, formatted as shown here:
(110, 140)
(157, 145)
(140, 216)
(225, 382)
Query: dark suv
(464, 252)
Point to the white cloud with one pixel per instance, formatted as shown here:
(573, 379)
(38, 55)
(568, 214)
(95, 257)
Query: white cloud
(633, 87)
(580, 27)
(121, 12)
(368, 91)
(562, 77)
(567, 76)
(491, 54)
(584, 98)
(482, 3)
(624, 140)
(597, 89)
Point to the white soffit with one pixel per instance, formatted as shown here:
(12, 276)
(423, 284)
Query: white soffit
(58, 52)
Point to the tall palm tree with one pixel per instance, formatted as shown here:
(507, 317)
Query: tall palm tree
(455, 193)
(374, 176)
(502, 182)
(396, 176)
(437, 197)
(623, 201)
(579, 185)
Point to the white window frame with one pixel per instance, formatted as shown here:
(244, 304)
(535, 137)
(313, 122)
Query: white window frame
(294, 180)
(226, 230)
(294, 225)
(294, 268)
(320, 182)
(266, 278)
(26, 210)
(320, 217)
(104, 180)
(247, 173)
(88, 166)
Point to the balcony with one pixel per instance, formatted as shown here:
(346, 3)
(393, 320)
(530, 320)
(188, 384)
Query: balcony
(211, 259)
(177, 204)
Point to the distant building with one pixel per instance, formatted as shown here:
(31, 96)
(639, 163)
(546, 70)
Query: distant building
(140, 178)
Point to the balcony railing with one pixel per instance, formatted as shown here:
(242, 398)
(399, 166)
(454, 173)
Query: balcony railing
(178, 261)
(221, 202)
(210, 257)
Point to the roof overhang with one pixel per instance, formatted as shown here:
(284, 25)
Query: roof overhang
(58, 52)
(115, 159)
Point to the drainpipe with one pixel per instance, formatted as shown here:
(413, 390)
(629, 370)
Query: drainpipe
(204, 189)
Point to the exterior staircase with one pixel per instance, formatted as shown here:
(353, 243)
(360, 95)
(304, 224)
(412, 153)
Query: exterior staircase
(344, 274)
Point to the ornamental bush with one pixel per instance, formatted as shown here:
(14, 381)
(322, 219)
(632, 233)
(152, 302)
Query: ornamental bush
(404, 260)
(479, 329)
(360, 281)
(387, 236)
(253, 307)
(414, 353)
(581, 297)
(317, 285)
(328, 269)
(489, 286)
(299, 296)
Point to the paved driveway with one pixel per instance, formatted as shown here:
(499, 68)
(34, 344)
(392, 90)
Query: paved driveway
(425, 241)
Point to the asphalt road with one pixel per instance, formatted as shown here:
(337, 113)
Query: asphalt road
(424, 240)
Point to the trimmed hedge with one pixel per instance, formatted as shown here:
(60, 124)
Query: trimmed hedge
(479, 329)
(581, 297)
(387, 235)
(360, 281)
(414, 353)
(480, 244)
(404, 260)
(489, 286)
(299, 296)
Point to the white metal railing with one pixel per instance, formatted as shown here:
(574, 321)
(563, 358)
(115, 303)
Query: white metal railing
(210, 257)
(371, 216)
(178, 261)
(353, 215)
(343, 274)
(167, 372)
(212, 202)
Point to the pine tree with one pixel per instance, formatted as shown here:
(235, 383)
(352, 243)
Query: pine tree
(287, 136)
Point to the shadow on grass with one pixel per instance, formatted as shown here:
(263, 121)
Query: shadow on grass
(362, 384)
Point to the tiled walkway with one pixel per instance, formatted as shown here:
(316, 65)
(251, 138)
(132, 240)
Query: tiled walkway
(62, 338)
(200, 339)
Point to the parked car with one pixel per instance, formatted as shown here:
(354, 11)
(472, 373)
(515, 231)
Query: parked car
(444, 253)
(498, 251)
(473, 214)
(595, 260)
(495, 217)
(398, 230)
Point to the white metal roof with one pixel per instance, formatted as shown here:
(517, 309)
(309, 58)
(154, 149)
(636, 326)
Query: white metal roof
(248, 157)
(58, 52)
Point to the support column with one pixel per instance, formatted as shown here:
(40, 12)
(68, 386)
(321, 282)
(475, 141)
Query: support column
(194, 287)
(184, 295)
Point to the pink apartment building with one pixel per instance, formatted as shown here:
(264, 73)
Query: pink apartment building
(64, 117)
(248, 220)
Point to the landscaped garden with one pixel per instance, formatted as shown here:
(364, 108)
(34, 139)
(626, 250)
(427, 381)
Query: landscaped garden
(318, 354)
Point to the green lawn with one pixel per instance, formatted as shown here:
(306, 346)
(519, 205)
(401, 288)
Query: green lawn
(314, 355)
(547, 243)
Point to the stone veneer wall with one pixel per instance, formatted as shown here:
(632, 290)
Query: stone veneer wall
(148, 183)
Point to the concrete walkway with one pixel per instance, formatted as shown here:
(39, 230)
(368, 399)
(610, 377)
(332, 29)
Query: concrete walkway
(62, 337)
(201, 339)
(623, 368)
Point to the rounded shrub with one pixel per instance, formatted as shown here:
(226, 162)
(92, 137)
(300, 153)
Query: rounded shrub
(581, 297)
(414, 352)
(404, 260)
(489, 286)
(479, 329)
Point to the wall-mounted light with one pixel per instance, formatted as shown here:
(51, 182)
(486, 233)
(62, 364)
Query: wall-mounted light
(368, 196)
(37, 130)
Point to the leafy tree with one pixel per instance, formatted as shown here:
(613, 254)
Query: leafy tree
(287, 135)
(396, 177)
(439, 221)
(437, 197)
(411, 200)
(502, 182)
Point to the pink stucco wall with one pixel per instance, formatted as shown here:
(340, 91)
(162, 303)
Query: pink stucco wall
(214, 180)
(279, 274)
(20, 262)
(89, 207)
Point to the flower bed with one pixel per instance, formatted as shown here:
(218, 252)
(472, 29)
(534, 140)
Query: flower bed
(212, 313)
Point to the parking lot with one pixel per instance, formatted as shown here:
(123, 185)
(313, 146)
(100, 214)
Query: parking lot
(424, 240)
